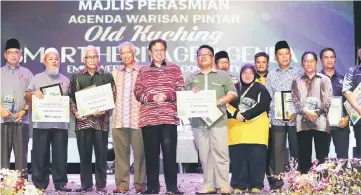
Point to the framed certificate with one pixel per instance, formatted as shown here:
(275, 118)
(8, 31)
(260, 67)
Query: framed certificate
(53, 90)
(335, 112)
(284, 107)
(210, 121)
(354, 116)
(51, 109)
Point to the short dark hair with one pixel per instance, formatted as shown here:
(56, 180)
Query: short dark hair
(259, 54)
(327, 49)
(309, 52)
(155, 41)
(205, 46)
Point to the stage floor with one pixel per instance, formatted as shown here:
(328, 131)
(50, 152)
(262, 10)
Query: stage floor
(189, 183)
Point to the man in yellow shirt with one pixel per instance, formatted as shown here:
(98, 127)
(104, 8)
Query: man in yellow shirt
(261, 62)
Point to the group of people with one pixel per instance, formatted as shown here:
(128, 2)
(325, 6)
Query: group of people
(247, 139)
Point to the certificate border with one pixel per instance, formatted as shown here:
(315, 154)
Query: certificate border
(341, 110)
(283, 105)
(48, 86)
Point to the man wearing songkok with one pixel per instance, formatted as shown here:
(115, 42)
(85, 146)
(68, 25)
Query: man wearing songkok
(91, 131)
(279, 80)
(46, 134)
(14, 133)
(126, 131)
(222, 63)
(212, 140)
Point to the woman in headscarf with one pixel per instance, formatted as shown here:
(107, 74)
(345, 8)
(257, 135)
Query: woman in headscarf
(248, 131)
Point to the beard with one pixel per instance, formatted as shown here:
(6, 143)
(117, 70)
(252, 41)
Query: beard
(52, 71)
(262, 72)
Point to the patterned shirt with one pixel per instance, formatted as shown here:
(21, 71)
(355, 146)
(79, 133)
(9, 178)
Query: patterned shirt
(82, 80)
(280, 80)
(151, 81)
(320, 89)
(126, 111)
(14, 81)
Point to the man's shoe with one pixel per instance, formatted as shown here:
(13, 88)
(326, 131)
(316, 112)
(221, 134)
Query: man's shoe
(225, 191)
(84, 189)
(120, 190)
(148, 191)
(208, 191)
(139, 189)
(63, 189)
(239, 191)
(256, 191)
(101, 190)
(175, 192)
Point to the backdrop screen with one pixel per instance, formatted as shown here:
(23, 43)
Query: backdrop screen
(242, 28)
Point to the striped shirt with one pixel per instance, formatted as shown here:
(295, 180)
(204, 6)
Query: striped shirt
(126, 111)
(320, 89)
(151, 81)
(82, 80)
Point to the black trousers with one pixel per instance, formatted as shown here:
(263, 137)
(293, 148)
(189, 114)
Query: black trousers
(15, 137)
(357, 133)
(86, 140)
(341, 140)
(40, 157)
(322, 147)
(154, 137)
(248, 164)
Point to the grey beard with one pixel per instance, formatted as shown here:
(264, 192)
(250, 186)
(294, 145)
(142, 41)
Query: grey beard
(52, 71)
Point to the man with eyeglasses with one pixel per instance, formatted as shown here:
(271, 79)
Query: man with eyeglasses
(14, 133)
(212, 142)
(155, 88)
(91, 131)
(222, 63)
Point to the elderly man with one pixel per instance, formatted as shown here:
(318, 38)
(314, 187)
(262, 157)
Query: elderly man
(46, 134)
(91, 131)
(155, 89)
(14, 133)
(312, 95)
(212, 142)
(279, 80)
(126, 131)
(222, 63)
(341, 133)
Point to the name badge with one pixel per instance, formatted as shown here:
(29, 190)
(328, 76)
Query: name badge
(9, 103)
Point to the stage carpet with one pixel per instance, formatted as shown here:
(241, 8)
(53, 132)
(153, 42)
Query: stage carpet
(189, 183)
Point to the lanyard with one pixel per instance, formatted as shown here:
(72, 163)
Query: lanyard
(245, 92)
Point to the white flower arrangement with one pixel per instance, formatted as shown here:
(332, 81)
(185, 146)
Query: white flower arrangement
(11, 183)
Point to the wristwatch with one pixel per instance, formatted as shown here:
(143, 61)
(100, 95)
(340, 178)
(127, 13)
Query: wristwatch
(221, 101)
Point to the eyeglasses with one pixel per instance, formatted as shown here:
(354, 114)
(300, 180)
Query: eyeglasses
(13, 52)
(205, 55)
(309, 61)
(91, 57)
(158, 50)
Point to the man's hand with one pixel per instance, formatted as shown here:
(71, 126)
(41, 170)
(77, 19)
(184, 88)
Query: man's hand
(98, 113)
(19, 116)
(312, 116)
(293, 117)
(77, 116)
(240, 116)
(38, 94)
(344, 122)
(5, 114)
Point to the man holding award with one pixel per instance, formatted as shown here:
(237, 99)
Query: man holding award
(312, 96)
(126, 131)
(14, 133)
(92, 118)
(338, 117)
(212, 136)
(282, 112)
(352, 91)
(155, 88)
(49, 83)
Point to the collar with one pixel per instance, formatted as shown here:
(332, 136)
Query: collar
(316, 75)
(334, 74)
(136, 67)
(17, 66)
(214, 70)
(85, 70)
(288, 68)
(154, 66)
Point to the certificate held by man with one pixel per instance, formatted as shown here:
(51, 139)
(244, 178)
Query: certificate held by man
(284, 107)
(200, 104)
(95, 99)
(354, 116)
(50, 109)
